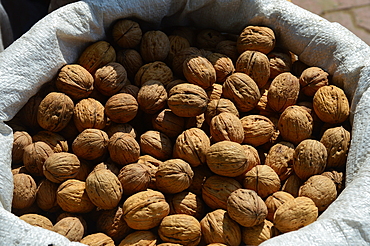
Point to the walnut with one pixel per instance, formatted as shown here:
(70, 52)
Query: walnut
(154, 46)
(214, 92)
(252, 156)
(181, 56)
(154, 71)
(24, 193)
(280, 159)
(216, 107)
(89, 113)
(46, 196)
(199, 70)
(295, 124)
(320, 189)
(336, 141)
(156, 144)
(257, 38)
(72, 227)
(152, 97)
(180, 228)
(187, 100)
(37, 220)
(153, 164)
(337, 178)
(112, 223)
(257, 234)
(275, 200)
(228, 48)
(208, 38)
(170, 85)
(256, 65)
(186, 32)
(145, 210)
(28, 113)
(104, 189)
(283, 92)
(97, 55)
(34, 157)
(295, 214)
(131, 61)
(292, 185)
(61, 166)
(280, 62)
(56, 141)
(113, 127)
(201, 173)
(216, 189)
(21, 139)
(177, 43)
(90, 144)
(97, 239)
(312, 79)
(187, 203)
(123, 148)
(72, 197)
(226, 126)
(258, 129)
(310, 157)
(263, 180)
(109, 165)
(139, 238)
(223, 66)
(126, 33)
(242, 90)
(121, 108)
(217, 225)
(331, 104)
(55, 111)
(110, 78)
(75, 81)
(134, 178)
(168, 123)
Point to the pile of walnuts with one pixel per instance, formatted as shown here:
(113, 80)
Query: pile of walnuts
(180, 137)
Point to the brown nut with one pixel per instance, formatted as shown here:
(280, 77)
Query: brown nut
(154, 46)
(187, 203)
(21, 139)
(46, 196)
(24, 193)
(97, 239)
(258, 129)
(177, 43)
(280, 159)
(113, 127)
(337, 178)
(72, 227)
(134, 178)
(90, 144)
(37, 220)
(257, 38)
(201, 173)
(57, 142)
(216, 107)
(112, 223)
(181, 56)
(223, 66)
(156, 144)
(110, 78)
(199, 70)
(152, 97)
(34, 157)
(139, 238)
(123, 148)
(274, 201)
(126, 33)
(156, 70)
(280, 62)
(312, 79)
(168, 123)
(214, 92)
(208, 38)
(89, 113)
(121, 108)
(61, 166)
(131, 60)
(226, 126)
(292, 185)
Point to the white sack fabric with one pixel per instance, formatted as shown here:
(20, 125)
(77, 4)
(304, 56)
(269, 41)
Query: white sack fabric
(60, 37)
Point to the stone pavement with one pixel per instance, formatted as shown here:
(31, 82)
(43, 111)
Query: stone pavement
(352, 14)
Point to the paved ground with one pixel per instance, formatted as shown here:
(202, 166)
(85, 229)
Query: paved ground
(352, 14)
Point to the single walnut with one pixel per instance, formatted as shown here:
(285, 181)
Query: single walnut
(258, 129)
(177, 43)
(187, 100)
(187, 203)
(292, 185)
(55, 111)
(336, 141)
(46, 196)
(295, 124)
(217, 225)
(310, 157)
(283, 92)
(216, 189)
(320, 189)
(110, 78)
(152, 97)
(61, 166)
(21, 139)
(75, 81)
(257, 38)
(312, 79)
(126, 33)
(263, 180)
(156, 144)
(256, 65)
(242, 90)
(180, 228)
(142, 238)
(246, 207)
(173, 176)
(72, 227)
(280, 62)
(226, 126)
(97, 55)
(131, 61)
(37, 220)
(90, 144)
(257, 234)
(295, 214)
(72, 197)
(228, 48)
(123, 148)
(154, 46)
(199, 70)
(121, 108)
(24, 192)
(331, 104)
(134, 178)
(145, 210)
(216, 107)
(181, 56)
(34, 157)
(337, 178)
(274, 201)
(89, 113)
(97, 239)
(56, 141)
(112, 223)
(154, 71)
(168, 123)
(280, 159)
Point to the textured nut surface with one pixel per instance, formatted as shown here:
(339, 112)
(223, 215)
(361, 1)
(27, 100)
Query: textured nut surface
(181, 56)
(199, 70)
(152, 97)
(228, 48)
(274, 201)
(280, 159)
(257, 234)
(112, 223)
(280, 62)
(113, 127)
(61, 166)
(97, 239)
(89, 113)
(123, 148)
(312, 79)
(135, 177)
(21, 139)
(187, 203)
(156, 70)
(139, 238)
(154, 46)
(223, 66)
(153, 164)
(216, 107)
(258, 129)
(110, 78)
(258, 38)
(121, 107)
(90, 144)
(126, 33)
(226, 126)
(208, 38)
(214, 92)
(24, 192)
(72, 227)
(34, 157)
(131, 61)
(168, 123)
(177, 43)
(46, 196)
(56, 141)
(37, 220)
(292, 185)
(156, 144)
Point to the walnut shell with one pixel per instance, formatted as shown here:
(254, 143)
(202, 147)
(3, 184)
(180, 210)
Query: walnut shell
(55, 111)
(257, 38)
(90, 144)
(156, 144)
(312, 79)
(145, 210)
(123, 148)
(109, 164)
(34, 157)
(208, 38)
(37, 220)
(258, 129)
(24, 193)
(256, 65)
(131, 61)
(187, 203)
(89, 113)
(61, 166)
(113, 127)
(28, 113)
(283, 92)
(216, 189)
(199, 70)
(56, 141)
(154, 46)
(153, 165)
(21, 139)
(187, 100)
(134, 178)
(320, 189)
(97, 55)
(110, 78)
(257, 234)
(228, 48)
(121, 108)
(201, 173)
(154, 71)
(280, 159)
(104, 189)
(168, 123)
(112, 223)
(97, 239)
(223, 66)
(173, 176)
(72, 227)
(177, 43)
(46, 196)
(72, 197)
(139, 238)
(292, 185)
(126, 33)
(180, 228)
(295, 214)
(181, 56)
(331, 104)
(280, 62)
(226, 126)
(337, 178)
(152, 97)
(242, 90)
(216, 107)
(75, 81)
(310, 157)
(274, 201)
(214, 92)
(217, 225)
